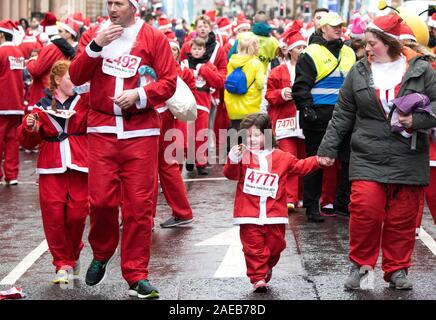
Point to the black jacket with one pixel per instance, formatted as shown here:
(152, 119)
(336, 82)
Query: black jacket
(378, 154)
(305, 77)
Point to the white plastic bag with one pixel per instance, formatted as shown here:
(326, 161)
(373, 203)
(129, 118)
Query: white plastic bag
(182, 104)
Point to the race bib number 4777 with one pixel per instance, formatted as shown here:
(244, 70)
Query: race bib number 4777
(16, 63)
(262, 184)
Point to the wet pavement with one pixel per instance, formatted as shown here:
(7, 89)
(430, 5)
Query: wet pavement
(202, 260)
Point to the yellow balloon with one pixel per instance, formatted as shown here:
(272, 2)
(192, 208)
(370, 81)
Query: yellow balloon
(417, 24)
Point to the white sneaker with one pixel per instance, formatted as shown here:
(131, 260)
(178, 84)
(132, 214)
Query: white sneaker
(12, 182)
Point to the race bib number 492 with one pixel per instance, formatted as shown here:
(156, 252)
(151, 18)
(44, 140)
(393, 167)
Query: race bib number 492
(16, 63)
(262, 184)
(122, 67)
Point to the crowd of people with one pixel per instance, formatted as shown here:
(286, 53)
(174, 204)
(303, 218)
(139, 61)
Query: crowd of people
(349, 107)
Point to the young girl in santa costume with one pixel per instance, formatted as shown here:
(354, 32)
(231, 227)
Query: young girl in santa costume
(260, 203)
(58, 124)
(282, 108)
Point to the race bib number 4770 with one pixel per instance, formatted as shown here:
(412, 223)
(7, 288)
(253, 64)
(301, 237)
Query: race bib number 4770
(262, 184)
(122, 67)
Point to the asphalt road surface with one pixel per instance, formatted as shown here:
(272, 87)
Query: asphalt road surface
(203, 260)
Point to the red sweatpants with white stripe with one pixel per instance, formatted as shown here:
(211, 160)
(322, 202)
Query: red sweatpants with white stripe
(295, 147)
(262, 246)
(383, 215)
(64, 207)
(169, 174)
(9, 145)
(123, 173)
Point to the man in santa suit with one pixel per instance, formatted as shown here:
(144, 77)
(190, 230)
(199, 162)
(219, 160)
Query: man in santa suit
(11, 102)
(30, 43)
(59, 48)
(123, 128)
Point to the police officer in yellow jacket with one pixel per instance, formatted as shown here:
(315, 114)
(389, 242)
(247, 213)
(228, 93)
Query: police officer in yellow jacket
(320, 71)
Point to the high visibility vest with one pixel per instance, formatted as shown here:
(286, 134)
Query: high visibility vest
(328, 83)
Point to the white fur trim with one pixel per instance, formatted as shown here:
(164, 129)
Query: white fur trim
(260, 221)
(11, 112)
(165, 26)
(407, 36)
(91, 53)
(11, 32)
(162, 110)
(296, 44)
(68, 28)
(242, 25)
(432, 163)
(51, 30)
(202, 108)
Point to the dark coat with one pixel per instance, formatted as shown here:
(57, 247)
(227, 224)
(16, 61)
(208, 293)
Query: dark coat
(377, 153)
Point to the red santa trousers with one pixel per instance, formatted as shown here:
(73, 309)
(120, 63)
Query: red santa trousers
(295, 147)
(64, 207)
(262, 246)
(9, 145)
(330, 178)
(169, 174)
(182, 145)
(383, 215)
(122, 173)
(430, 198)
(222, 122)
(201, 138)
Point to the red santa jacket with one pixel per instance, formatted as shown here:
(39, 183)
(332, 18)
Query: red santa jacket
(109, 77)
(283, 113)
(58, 152)
(40, 70)
(11, 80)
(207, 79)
(261, 190)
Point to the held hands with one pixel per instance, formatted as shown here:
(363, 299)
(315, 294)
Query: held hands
(126, 99)
(406, 120)
(106, 36)
(325, 161)
(287, 94)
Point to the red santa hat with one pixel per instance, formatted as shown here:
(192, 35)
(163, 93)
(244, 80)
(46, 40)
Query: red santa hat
(432, 21)
(212, 15)
(242, 22)
(293, 38)
(48, 24)
(173, 40)
(358, 27)
(389, 25)
(223, 23)
(77, 17)
(407, 33)
(8, 26)
(70, 26)
(164, 23)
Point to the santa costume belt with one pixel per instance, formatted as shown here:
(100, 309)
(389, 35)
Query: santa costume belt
(62, 136)
(203, 89)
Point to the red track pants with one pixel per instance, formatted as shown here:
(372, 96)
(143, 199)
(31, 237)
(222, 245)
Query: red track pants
(9, 146)
(262, 246)
(64, 207)
(383, 215)
(430, 198)
(169, 174)
(123, 173)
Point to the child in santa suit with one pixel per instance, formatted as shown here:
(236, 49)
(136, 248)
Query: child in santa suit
(207, 77)
(260, 202)
(283, 111)
(58, 124)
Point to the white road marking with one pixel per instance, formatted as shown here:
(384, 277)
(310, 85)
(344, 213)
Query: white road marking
(24, 265)
(428, 240)
(233, 264)
(184, 180)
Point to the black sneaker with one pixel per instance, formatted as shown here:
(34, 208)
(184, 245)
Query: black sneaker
(189, 166)
(143, 290)
(96, 272)
(328, 212)
(202, 171)
(174, 222)
(315, 217)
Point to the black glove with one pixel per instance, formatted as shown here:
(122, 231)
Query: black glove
(309, 114)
